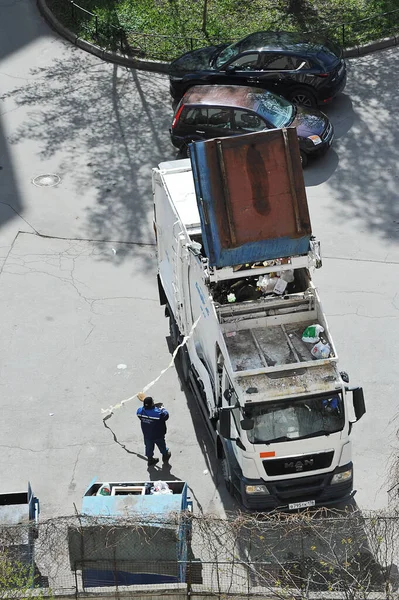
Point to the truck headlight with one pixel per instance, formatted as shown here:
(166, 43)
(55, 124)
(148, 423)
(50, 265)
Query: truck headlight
(315, 139)
(256, 489)
(341, 477)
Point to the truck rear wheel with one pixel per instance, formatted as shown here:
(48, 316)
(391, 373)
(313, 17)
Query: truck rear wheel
(184, 363)
(182, 360)
(173, 331)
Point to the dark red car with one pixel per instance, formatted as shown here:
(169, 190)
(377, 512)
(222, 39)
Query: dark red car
(209, 111)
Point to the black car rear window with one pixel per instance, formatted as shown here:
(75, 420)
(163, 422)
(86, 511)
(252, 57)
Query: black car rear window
(327, 58)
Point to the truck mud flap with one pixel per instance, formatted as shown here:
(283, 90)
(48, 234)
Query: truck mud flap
(161, 292)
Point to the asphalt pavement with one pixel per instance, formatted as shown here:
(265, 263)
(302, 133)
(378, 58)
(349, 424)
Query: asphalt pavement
(80, 322)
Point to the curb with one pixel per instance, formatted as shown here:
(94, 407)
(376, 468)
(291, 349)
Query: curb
(163, 66)
(126, 61)
(371, 47)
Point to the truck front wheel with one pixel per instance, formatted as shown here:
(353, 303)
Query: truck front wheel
(224, 465)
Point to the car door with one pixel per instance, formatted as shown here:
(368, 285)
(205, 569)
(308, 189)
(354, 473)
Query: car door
(220, 122)
(243, 69)
(193, 123)
(246, 121)
(278, 71)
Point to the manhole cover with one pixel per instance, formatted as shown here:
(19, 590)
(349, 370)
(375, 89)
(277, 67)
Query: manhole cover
(47, 180)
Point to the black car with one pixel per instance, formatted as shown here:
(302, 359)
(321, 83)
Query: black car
(303, 69)
(209, 111)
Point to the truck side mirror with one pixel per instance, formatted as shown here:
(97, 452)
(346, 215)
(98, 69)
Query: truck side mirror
(225, 423)
(247, 424)
(358, 401)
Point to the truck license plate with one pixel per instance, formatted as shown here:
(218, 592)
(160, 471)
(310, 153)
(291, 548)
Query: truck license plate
(295, 505)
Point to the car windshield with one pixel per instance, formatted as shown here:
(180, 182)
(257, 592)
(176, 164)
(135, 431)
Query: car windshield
(276, 110)
(226, 54)
(296, 419)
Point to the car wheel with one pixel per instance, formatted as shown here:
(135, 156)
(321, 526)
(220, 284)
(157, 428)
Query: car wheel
(304, 159)
(303, 97)
(184, 151)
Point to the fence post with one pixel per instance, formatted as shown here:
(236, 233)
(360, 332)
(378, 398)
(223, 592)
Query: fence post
(188, 577)
(191, 43)
(343, 34)
(96, 26)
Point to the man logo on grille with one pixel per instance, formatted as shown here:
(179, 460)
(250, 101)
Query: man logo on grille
(299, 464)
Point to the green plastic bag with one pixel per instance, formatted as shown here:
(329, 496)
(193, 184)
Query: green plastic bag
(311, 335)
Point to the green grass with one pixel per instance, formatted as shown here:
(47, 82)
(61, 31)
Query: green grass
(163, 29)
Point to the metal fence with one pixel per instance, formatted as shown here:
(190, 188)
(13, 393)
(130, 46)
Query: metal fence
(166, 47)
(131, 42)
(297, 555)
(361, 31)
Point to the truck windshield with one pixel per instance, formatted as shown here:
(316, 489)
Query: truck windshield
(296, 419)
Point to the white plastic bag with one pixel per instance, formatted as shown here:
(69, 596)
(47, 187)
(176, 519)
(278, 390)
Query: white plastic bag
(311, 335)
(288, 275)
(321, 350)
(160, 487)
(266, 284)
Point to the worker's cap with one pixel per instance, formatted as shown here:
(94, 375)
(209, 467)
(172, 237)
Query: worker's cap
(148, 402)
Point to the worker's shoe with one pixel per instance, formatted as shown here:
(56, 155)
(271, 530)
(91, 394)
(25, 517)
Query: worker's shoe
(166, 456)
(152, 461)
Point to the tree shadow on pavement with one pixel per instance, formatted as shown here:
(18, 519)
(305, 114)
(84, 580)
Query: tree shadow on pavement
(364, 184)
(107, 126)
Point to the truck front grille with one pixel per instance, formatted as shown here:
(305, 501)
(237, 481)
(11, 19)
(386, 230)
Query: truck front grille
(298, 464)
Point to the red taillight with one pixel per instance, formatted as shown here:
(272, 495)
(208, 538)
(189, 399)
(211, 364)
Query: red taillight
(323, 74)
(177, 115)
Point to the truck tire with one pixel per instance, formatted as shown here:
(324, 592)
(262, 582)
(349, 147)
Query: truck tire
(173, 331)
(182, 360)
(184, 363)
(224, 465)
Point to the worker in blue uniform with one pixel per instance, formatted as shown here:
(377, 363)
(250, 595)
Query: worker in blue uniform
(153, 425)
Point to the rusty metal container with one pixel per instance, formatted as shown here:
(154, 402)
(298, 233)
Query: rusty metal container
(251, 197)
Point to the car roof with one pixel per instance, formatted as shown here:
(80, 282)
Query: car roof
(238, 96)
(289, 41)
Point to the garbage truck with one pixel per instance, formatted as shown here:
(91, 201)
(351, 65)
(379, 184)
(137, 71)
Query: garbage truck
(235, 255)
